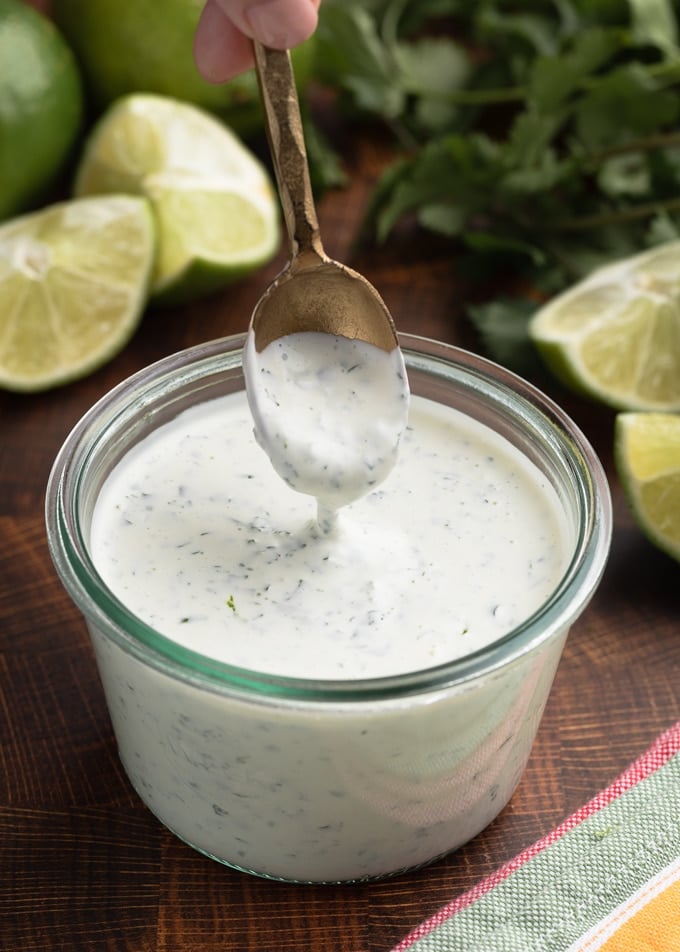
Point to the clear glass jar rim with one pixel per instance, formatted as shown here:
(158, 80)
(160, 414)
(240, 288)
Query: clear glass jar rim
(69, 552)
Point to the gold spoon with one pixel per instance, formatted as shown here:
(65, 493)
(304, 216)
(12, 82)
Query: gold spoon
(313, 293)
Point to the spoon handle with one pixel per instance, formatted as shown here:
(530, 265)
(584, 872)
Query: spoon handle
(289, 155)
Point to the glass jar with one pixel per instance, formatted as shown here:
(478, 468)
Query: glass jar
(325, 781)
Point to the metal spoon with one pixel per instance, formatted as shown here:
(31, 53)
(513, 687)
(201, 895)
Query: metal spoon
(314, 293)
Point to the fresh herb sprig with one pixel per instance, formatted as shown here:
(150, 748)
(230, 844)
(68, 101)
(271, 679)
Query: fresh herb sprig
(542, 137)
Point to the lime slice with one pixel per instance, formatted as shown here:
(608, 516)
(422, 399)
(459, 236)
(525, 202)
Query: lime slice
(73, 284)
(216, 212)
(647, 453)
(615, 336)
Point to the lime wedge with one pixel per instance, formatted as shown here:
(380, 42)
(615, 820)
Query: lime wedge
(73, 285)
(647, 453)
(216, 212)
(615, 336)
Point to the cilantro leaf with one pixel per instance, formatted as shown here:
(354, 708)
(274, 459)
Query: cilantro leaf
(653, 24)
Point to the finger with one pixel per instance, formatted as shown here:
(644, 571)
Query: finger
(221, 50)
(281, 24)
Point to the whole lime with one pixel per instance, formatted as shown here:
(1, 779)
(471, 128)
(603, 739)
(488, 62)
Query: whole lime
(128, 46)
(41, 105)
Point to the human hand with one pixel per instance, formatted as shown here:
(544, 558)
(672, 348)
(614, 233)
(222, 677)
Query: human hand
(222, 44)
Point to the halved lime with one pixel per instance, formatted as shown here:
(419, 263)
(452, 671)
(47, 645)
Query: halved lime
(615, 336)
(216, 212)
(73, 284)
(647, 453)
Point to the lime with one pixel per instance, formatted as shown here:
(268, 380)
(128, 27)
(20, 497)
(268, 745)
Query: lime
(40, 105)
(615, 336)
(216, 212)
(73, 282)
(129, 46)
(647, 453)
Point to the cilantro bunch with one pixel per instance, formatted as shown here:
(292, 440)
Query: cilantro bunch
(541, 136)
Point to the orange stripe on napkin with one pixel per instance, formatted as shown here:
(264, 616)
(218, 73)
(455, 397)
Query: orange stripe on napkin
(649, 920)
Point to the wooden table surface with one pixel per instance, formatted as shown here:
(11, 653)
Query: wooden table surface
(84, 866)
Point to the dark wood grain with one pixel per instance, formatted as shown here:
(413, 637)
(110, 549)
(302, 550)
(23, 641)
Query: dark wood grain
(84, 866)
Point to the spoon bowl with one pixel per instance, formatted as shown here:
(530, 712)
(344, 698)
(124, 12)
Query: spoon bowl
(324, 296)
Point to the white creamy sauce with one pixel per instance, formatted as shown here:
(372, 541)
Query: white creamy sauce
(196, 534)
(329, 412)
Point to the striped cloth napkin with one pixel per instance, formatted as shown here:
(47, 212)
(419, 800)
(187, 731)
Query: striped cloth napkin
(607, 879)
